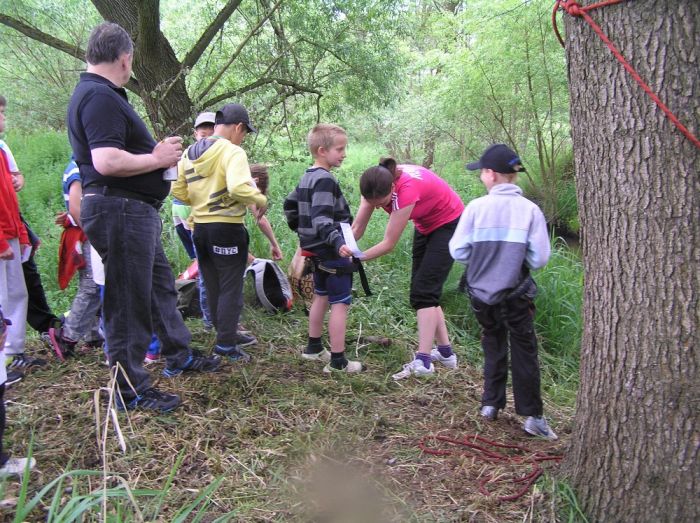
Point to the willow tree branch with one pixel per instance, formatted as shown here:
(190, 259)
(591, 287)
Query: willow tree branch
(238, 50)
(207, 36)
(35, 34)
(298, 88)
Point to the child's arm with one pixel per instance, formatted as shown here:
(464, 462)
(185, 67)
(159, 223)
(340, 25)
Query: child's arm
(364, 213)
(239, 182)
(266, 229)
(75, 195)
(461, 241)
(397, 223)
(17, 181)
(5, 249)
(323, 199)
(538, 246)
(15, 173)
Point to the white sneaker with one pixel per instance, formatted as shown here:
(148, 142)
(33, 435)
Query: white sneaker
(353, 367)
(415, 368)
(450, 362)
(489, 412)
(323, 356)
(16, 466)
(537, 426)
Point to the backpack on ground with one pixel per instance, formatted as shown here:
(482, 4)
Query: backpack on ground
(188, 298)
(272, 289)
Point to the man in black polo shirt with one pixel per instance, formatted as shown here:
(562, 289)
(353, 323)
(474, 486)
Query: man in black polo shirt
(121, 167)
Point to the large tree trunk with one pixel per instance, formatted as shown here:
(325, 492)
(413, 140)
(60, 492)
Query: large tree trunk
(160, 76)
(634, 455)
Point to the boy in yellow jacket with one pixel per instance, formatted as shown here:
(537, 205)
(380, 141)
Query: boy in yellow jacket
(214, 178)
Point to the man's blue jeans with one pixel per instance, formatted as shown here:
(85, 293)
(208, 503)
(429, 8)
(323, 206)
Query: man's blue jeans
(139, 292)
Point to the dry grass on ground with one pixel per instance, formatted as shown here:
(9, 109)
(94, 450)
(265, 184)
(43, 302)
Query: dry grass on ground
(291, 443)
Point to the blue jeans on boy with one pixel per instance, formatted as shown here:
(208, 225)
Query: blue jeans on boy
(338, 287)
(139, 293)
(82, 322)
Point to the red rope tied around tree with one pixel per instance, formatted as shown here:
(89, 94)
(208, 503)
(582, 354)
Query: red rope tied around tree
(470, 446)
(575, 9)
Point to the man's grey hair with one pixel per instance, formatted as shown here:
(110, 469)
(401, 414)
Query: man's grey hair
(108, 41)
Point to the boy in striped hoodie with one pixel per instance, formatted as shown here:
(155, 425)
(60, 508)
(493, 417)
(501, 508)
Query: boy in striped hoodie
(315, 210)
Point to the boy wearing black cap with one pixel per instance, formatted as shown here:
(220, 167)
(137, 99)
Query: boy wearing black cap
(500, 238)
(214, 178)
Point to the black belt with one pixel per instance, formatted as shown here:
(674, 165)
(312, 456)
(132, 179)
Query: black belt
(355, 266)
(122, 193)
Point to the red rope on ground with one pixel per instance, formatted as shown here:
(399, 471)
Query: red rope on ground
(574, 9)
(476, 447)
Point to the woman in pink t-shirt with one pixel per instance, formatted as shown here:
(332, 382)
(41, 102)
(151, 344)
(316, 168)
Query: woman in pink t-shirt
(411, 192)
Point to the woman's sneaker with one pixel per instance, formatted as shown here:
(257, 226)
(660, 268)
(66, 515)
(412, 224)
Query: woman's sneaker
(353, 367)
(450, 362)
(415, 368)
(537, 426)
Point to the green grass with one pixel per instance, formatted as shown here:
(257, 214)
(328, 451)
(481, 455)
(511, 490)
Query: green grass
(266, 428)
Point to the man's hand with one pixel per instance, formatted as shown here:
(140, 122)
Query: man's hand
(345, 251)
(7, 255)
(168, 151)
(276, 252)
(17, 181)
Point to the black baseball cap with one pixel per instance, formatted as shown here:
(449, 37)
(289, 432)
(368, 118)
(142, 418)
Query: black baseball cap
(500, 158)
(234, 113)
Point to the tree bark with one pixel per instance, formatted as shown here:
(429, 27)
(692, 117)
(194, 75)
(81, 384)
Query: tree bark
(160, 75)
(634, 455)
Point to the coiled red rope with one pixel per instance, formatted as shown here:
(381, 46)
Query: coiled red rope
(477, 447)
(575, 9)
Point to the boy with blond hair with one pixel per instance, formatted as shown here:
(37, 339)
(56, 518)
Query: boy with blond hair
(315, 210)
(500, 238)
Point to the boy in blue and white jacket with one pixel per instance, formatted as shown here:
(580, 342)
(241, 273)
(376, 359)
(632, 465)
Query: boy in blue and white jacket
(500, 238)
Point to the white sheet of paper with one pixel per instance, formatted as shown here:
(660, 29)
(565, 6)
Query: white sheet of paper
(350, 240)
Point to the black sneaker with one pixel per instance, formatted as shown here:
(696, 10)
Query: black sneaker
(13, 376)
(24, 362)
(245, 339)
(64, 348)
(151, 399)
(197, 362)
(233, 353)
